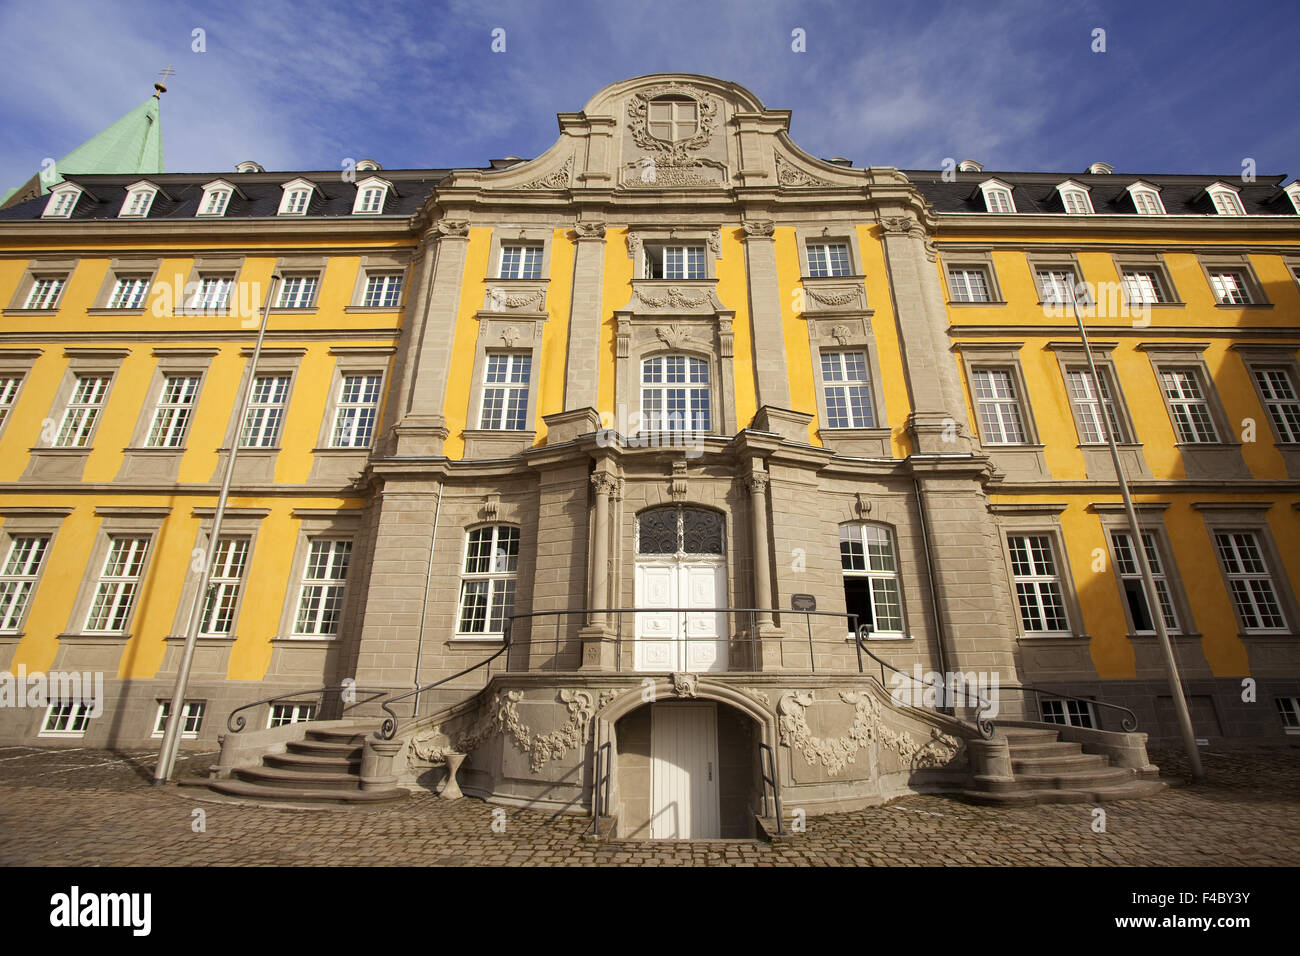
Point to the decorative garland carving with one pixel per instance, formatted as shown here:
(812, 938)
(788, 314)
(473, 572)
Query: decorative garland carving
(832, 298)
(939, 751)
(673, 297)
(835, 754)
(559, 179)
(501, 300)
(503, 718)
(787, 175)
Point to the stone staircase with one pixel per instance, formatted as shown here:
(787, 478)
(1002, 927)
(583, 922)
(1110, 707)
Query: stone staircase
(1047, 769)
(322, 768)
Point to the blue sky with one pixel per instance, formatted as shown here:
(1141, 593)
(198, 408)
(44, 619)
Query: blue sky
(1182, 87)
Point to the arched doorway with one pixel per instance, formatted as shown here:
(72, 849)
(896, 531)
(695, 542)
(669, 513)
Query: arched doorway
(680, 563)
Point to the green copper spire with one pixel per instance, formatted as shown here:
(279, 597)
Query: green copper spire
(131, 145)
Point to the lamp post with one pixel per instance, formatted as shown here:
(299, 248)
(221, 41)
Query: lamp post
(1148, 582)
(176, 715)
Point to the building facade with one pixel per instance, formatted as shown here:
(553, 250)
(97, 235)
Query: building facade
(672, 363)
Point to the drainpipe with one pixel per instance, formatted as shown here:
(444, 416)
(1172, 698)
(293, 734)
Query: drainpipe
(424, 608)
(929, 570)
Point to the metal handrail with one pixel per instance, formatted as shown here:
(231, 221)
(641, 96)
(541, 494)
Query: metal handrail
(236, 725)
(1129, 722)
(600, 785)
(388, 729)
(767, 773)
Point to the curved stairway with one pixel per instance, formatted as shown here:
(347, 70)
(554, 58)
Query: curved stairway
(322, 768)
(1047, 769)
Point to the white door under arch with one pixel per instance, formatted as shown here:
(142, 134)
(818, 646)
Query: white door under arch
(680, 565)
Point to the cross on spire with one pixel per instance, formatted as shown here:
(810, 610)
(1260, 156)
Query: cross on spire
(165, 72)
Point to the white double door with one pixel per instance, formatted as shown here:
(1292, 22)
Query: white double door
(684, 787)
(674, 641)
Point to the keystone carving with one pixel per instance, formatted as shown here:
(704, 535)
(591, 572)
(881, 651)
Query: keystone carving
(840, 333)
(510, 336)
(672, 336)
(677, 485)
(685, 685)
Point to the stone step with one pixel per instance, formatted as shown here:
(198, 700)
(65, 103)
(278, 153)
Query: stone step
(1028, 735)
(312, 762)
(286, 794)
(1039, 765)
(1059, 748)
(1076, 779)
(1134, 790)
(356, 736)
(323, 748)
(302, 779)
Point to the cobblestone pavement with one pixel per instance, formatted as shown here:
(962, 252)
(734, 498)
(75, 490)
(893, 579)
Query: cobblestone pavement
(63, 807)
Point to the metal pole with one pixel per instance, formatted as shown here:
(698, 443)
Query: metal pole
(175, 721)
(1148, 582)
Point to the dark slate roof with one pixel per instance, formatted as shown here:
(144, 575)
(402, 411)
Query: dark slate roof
(181, 193)
(1036, 192)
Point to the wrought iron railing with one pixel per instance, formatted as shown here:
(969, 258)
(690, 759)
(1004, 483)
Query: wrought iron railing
(600, 784)
(767, 776)
(388, 729)
(236, 724)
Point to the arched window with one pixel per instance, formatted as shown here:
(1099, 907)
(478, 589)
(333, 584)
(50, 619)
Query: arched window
(871, 589)
(675, 394)
(487, 586)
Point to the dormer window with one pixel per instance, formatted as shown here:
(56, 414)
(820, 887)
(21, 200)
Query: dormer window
(296, 198)
(371, 194)
(139, 198)
(1225, 199)
(216, 197)
(1293, 192)
(997, 196)
(63, 199)
(1075, 199)
(1146, 200)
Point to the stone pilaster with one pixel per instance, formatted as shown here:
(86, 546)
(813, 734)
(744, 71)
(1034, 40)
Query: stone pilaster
(597, 651)
(771, 380)
(582, 364)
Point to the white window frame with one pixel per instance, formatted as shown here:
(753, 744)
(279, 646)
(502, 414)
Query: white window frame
(1226, 200)
(1232, 556)
(509, 411)
(130, 292)
(1288, 711)
(1152, 291)
(297, 281)
(1059, 285)
(1070, 712)
(332, 586)
(963, 290)
(192, 713)
(139, 200)
(1088, 403)
(45, 292)
(173, 412)
(1146, 199)
(690, 259)
(994, 427)
(363, 204)
(1127, 570)
(81, 414)
(59, 206)
(823, 264)
(527, 264)
(1293, 193)
(215, 199)
(845, 387)
(1189, 427)
(295, 714)
(1241, 282)
(357, 409)
(501, 575)
(1075, 199)
(118, 592)
(1283, 409)
(203, 300)
(1038, 580)
(865, 534)
(999, 197)
(266, 405)
(229, 566)
(19, 576)
(383, 285)
(10, 386)
(288, 198)
(662, 420)
(75, 715)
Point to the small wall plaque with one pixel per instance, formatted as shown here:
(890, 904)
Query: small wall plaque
(803, 602)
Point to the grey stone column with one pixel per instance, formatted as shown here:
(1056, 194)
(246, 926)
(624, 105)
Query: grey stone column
(604, 485)
(771, 380)
(582, 364)
(422, 429)
(757, 482)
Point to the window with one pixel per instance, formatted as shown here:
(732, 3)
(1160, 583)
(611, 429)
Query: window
(18, 578)
(1073, 713)
(1278, 390)
(1226, 201)
(998, 407)
(1230, 287)
(370, 199)
(1187, 405)
(383, 290)
(966, 284)
(282, 714)
(265, 412)
(172, 417)
(1086, 400)
(1074, 199)
(44, 293)
(675, 394)
(848, 390)
(1130, 575)
(297, 292)
(358, 405)
(223, 596)
(1038, 588)
(62, 202)
(505, 391)
(212, 293)
(320, 602)
(9, 385)
(1147, 202)
(1144, 286)
(997, 197)
(68, 719)
(191, 718)
(118, 582)
(487, 590)
(137, 204)
(214, 202)
(870, 571)
(1250, 581)
(83, 411)
(1288, 708)
(1059, 286)
(674, 262)
(520, 262)
(828, 259)
(129, 292)
(296, 197)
